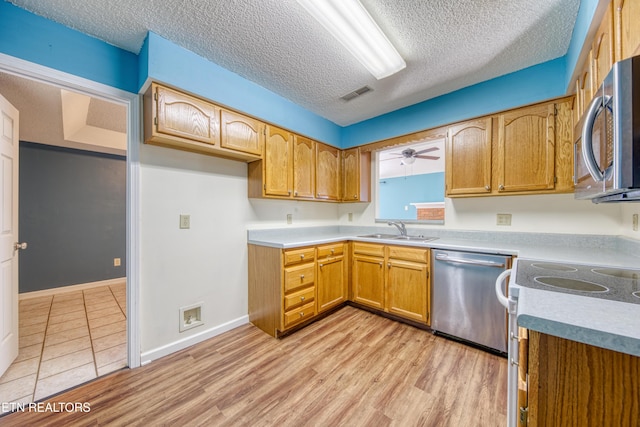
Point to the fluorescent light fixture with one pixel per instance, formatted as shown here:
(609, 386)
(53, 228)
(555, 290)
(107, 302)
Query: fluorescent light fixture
(350, 23)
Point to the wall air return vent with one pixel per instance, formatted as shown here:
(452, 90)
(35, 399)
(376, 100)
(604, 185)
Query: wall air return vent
(356, 93)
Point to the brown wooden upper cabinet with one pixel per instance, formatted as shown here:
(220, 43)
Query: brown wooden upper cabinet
(356, 175)
(602, 48)
(521, 151)
(278, 162)
(327, 172)
(627, 30)
(526, 144)
(241, 133)
(304, 167)
(468, 158)
(183, 116)
(177, 120)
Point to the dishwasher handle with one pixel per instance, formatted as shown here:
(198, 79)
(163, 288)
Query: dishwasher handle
(447, 258)
(501, 296)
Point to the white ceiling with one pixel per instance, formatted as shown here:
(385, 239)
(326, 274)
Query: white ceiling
(447, 44)
(53, 116)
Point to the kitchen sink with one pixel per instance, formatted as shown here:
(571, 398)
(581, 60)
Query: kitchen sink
(398, 237)
(380, 236)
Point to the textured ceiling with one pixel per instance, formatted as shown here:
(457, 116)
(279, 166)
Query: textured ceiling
(447, 44)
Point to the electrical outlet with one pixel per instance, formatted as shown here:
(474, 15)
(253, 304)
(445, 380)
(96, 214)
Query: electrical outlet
(289, 218)
(185, 221)
(116, 262)
(503, 219)
(350, 215)
(190, 317)
(635, 222)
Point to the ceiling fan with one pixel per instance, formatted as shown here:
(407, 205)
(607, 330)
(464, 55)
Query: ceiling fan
(409, 155)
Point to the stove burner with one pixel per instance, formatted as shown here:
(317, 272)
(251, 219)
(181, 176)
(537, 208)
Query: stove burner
(571, 284)
(618, 272)
(556, 267)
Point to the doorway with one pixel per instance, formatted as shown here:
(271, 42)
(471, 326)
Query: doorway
(106, 297)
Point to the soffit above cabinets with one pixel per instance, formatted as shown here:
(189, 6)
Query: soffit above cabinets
(446, 44)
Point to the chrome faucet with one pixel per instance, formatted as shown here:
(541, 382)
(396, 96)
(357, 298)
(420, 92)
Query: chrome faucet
(400, 226)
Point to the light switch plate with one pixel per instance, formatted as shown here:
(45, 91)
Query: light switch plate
(185, 221)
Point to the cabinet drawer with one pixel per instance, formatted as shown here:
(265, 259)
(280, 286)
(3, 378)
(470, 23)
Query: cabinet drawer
(297, 256)
(298, 298)
(409, 254)
(299, 276)
(297, 315)
(330, 250)
(368, 249)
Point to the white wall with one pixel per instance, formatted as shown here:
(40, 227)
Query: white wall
(208, 262)
(556, 213)
(628, 209)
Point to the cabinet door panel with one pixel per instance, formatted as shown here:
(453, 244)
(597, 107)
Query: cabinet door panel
(627, 28)
(304, 167)
(277, 162)
(468, 158)
(368, 281)
(526, 155)
(186, 117)
(407, 289)
(331, 283)
(327, 172)
(241, 133)
(603, 53)
(351, 175)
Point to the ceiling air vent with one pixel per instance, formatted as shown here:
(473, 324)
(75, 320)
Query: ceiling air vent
(356, 93)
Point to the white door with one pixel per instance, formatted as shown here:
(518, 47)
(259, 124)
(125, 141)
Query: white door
(8, 234)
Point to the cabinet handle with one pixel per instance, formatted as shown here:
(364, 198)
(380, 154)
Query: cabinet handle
(500, 187)
(380, 264)
(301, 256)
(487, 187)
(321, 265)
(295, 193)
(333, 250)
(301, 298)
(289, 192)
(355, 196)
(302, 314)
(389, 264)
(301, 276)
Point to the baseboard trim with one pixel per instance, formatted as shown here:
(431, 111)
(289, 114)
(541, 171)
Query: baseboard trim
(71, 288)
(165, 350)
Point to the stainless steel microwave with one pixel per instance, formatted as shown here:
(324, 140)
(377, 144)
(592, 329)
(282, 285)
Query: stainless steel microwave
(607, 148)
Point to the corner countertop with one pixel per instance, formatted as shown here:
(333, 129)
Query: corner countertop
(603, 323)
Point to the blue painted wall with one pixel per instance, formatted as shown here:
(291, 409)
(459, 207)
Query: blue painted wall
(72, 214)
(39, 40)
(540, 82)
(172, 64)
(396, 193)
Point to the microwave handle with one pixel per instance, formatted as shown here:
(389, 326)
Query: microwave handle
(587, 143)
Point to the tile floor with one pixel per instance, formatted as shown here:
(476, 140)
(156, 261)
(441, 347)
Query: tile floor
(66, 339)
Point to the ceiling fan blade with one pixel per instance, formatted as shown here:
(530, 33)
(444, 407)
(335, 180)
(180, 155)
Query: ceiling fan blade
(428, 157)
(427, 150)
(392, 158)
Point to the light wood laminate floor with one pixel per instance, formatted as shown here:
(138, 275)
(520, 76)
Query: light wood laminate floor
(66, 339)
(352, 368)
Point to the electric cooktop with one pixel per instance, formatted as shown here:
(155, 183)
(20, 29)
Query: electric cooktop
(612, 283)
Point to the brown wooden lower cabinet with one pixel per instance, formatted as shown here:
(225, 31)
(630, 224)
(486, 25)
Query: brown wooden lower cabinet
(575, 384)
(288, 287)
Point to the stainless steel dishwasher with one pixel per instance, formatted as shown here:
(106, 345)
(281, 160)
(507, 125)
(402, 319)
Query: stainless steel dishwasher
(464, 304)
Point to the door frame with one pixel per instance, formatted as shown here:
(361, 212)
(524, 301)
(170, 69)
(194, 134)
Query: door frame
(132, 101)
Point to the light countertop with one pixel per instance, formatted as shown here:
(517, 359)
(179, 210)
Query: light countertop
(609, 324)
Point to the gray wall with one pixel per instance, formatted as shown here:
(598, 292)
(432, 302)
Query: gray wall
(72, 215)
